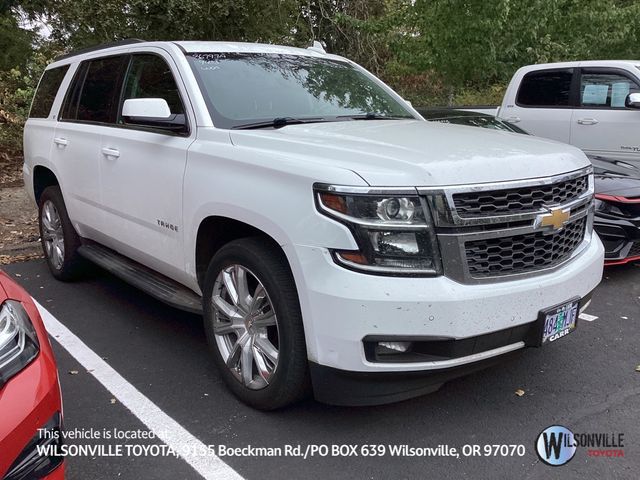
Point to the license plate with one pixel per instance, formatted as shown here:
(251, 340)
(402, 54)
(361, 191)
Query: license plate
(559, 321)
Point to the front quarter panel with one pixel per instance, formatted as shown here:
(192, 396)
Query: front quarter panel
(270, 192)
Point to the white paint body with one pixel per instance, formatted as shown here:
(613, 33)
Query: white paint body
(610, 132)
(264, 178)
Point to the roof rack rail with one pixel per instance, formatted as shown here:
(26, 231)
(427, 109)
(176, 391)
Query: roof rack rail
(102, 46)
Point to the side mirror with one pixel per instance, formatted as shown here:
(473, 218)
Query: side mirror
(153, 113)
(146, 108)
(633, 100)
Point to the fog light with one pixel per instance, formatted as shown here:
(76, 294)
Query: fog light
(393, 347)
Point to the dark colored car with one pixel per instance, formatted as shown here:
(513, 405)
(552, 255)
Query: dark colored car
(617, 209)
(30, 401)
(617, 185)
(471, 119)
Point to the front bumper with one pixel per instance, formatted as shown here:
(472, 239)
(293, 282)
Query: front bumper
(342, 308)
(344, 388)
(621, 239)
(341, 387)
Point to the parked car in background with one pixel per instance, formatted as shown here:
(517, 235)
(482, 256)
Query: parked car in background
(617, 187)
(617, 219)
(467, 117)
(30, 402)
(593, 105)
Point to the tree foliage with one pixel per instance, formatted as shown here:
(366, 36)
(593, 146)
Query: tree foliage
(432, 51)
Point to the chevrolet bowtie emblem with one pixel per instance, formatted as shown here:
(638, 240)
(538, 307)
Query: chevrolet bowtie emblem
(556, 218)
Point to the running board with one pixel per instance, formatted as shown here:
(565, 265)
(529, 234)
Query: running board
(150, 282)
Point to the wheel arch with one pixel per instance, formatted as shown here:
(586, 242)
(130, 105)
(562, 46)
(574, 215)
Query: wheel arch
(43, 178)
(215, 231)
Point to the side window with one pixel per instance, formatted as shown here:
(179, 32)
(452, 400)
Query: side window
(149, 76)
(99, 94)
(47, 90)
(547, 88)
(605, 89)
(69, 109)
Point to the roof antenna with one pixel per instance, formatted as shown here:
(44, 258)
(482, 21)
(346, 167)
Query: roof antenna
(317, 47)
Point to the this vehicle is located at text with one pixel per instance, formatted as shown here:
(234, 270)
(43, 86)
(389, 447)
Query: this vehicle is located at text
(334, 240)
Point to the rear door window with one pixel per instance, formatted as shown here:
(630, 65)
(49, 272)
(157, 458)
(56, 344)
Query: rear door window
(97, 98)
(546, 88)
(47, 90)
(601, 89)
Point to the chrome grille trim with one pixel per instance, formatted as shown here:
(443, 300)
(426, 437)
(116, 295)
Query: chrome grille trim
(445, 214)
(454, 231)
(518, 200)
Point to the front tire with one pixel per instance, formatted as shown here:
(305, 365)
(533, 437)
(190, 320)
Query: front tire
(60, 242)
(254, 325)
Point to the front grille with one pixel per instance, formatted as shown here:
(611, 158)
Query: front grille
(635, 250)
(523, 253)
(518, 200)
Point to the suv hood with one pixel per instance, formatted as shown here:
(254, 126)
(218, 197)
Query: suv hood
(416, 152)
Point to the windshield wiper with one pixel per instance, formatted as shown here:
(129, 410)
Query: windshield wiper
(279, 123)
(376, 116)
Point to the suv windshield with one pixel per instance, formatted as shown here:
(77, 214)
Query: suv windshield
(245, 89)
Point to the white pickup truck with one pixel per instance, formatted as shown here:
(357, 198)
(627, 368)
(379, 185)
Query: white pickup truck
(594, 105)
(333, 240)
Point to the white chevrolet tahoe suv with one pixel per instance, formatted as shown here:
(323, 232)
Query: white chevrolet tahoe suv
(333, 240)
(593, 105)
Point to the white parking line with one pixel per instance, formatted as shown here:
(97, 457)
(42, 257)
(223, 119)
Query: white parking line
(587, 318)
(210, 467)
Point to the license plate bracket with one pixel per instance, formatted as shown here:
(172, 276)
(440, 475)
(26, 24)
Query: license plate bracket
(557, 321)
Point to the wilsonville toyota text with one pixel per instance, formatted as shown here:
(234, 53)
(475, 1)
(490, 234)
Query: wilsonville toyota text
(334, 241)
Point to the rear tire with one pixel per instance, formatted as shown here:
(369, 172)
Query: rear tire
(254, 325)
(59, 239)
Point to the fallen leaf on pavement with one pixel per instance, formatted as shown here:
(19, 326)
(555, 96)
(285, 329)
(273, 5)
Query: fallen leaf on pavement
(113, 400)
(519, 392)
(73, 372)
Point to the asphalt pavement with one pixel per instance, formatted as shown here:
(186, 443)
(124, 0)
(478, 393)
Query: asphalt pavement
(586, 381)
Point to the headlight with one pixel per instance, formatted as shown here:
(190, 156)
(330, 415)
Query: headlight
(394, 232)
(18, 340)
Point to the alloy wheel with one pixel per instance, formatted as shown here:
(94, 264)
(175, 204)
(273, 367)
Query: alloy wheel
(245, 326)
(52, 234)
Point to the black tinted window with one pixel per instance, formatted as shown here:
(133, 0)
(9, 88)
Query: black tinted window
(101, 90)
(47, 90)
(150, 77)
(69, 109)
(600, 89)
(546, 89)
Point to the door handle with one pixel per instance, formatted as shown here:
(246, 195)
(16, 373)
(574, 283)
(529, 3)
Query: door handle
(110, 152)
(513, 119)
(587, 121)
(62, 142)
